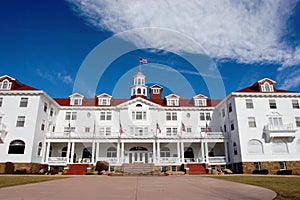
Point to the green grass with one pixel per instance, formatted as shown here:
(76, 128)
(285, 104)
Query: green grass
(7, 181)
(285, 187)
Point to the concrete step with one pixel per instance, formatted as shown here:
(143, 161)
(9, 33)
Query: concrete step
(138, 168)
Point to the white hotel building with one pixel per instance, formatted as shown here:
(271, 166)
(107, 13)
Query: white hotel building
(254, 128)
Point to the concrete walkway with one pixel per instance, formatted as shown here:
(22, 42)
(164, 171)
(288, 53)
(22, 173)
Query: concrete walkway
(136, 188)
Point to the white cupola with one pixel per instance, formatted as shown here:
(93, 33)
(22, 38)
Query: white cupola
(139, 88)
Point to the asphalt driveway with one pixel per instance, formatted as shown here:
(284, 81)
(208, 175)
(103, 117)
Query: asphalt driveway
(136, 188)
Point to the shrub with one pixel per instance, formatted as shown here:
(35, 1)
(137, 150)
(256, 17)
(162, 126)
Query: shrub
(9, 168)
(21, 171)
(285, 172)
(101, 165)
(263, 171)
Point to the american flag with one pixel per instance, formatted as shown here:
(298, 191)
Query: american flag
(143, 60)
(121, 129)
(158, 128)
(182, 126)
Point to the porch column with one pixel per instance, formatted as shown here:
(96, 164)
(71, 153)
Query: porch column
(226, 152)
(154, 153)
(178, 151)
(72, 152)
(68, 152)
(122, 152)
(158, 152)
(93, 152)
(202, 151)
(47, 152)
(206, 151)
(118, 152)
(97, 151)
(44, 152)
(182, 152)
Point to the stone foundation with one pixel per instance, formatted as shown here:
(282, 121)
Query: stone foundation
(29, 168)
(272, 167)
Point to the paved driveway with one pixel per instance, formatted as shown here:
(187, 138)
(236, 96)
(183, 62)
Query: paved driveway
(136, 188)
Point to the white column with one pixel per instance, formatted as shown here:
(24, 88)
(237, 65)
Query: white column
(118, 152)
(97, 151)
(178, 152)
(206, 151)
(202, 151)
(44, 147)
(226, 152)
(72, 152)
(68, 152)
(47, 152)
(93, 152)
(122, 152)
(182, 152)
(158, 152)
(154, 153)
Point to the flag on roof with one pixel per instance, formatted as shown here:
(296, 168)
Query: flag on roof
(158, 128)
(121, 129)
(143, 60)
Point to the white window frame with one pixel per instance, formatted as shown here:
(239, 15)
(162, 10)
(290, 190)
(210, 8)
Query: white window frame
(156, 90)
(249, 103)
(272, 104)
(23, 102)
(200, 102)
(171, 116)
(282, 165)
(20, 121)
(171, 131)
(295, 104)
(105, 116)
(76, 101)
(297, 119)
(257, 165)
(173, 102)
(5, 85)
(251, 122)
(267, 87)
(139, 115)
(71, 116)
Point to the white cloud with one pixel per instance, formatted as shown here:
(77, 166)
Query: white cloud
(289, 79)
(65, 78)
(246, 31)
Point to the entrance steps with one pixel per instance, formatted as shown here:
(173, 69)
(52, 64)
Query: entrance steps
(137, 168)
(196, 168)
(77, 169)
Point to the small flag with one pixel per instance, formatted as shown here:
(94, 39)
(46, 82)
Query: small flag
(158, 128)
(121, 129)
(206, 128)
(143, 60)
(182, 127)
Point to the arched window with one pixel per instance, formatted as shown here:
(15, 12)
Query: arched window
(16, 147)
(255, 147)
(39, 151)
(139, 91)
(267, 87)
(144, 91)
(111, 152)
(165, 152)
(138, 105)
(279, 147)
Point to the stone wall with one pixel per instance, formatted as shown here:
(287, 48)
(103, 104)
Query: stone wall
(31, 168)
(272, 167)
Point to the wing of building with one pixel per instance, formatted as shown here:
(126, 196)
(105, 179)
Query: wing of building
(250, 130)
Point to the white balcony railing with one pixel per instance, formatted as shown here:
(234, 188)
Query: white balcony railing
(168, 160)
(280, 131)
(109, 160)
(282, 127)
(57, 160)
(217, 159)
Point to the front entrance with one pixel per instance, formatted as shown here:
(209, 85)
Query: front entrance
(139, 155)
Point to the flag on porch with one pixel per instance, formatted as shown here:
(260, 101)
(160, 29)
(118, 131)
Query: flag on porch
(182, 127)
(206, 128)
(143, 60)
(121, 129)
(158, 128)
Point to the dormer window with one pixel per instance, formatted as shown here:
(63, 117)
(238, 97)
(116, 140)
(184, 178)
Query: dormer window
(156, 90)
(172, 100)
(267, 87)
(76, 99)
(200, 100)
(5, 85)
(104, 99)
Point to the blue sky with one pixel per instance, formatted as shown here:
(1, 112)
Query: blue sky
(47, 43)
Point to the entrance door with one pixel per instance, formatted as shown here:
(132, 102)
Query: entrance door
(138, 156)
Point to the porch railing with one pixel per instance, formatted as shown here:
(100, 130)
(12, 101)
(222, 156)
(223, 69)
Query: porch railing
(167, 160)
(107, 159)
(57, 160)
(217, 159)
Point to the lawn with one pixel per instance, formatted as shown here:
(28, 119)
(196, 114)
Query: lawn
(6, 181)
(285, 187)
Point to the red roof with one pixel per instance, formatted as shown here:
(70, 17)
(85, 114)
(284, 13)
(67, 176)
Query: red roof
(15, 84)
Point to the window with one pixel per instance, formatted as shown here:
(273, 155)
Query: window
(171, 131)
(111, 152)
(298, 121)
(172, 102)
(223, 112)
(139, 115)
(1, 100)
(87, 129)
(202, 117)
(43, 126)
(251, 122)
(39, 150)
(230, 107)
(165, 152)
(232, 126)
(295, 104)
(69, 129)
(45, 107)
(104, 101)
(257, 165)
(156, 90)
(16, 147)
(279, 146)
(20, 121)
(282, 166)
(51, 112)
(23, 102)
(105, 131)
(5, 85)
(255, 147)
(249, 103)
(272, 104)
(266, 87)
(53, 128)
(105, 115)
(71, 116)
(200, 102)
(207, 115)
(76, 101)
(188, 129)
(235, 148)
(171, 116)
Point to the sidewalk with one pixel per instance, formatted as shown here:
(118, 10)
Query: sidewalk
(136, 188)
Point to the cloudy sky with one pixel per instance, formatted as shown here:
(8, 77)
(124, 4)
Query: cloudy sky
(50, 44)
